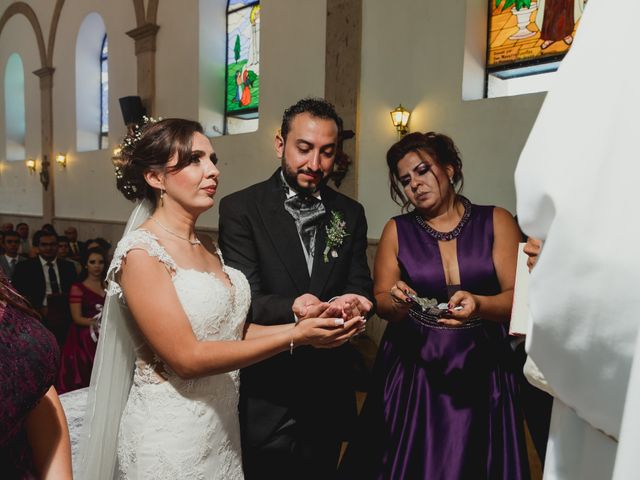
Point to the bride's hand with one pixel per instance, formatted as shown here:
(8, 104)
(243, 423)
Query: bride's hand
(327, 332)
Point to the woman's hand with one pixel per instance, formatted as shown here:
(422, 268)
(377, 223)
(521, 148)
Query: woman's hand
(463, 306)
(326, 332)
(400, 299)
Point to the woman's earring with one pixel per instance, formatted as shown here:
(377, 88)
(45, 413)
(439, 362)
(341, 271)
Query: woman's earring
(451, 180)
(162, 197)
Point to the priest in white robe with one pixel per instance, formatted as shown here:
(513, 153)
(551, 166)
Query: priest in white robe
(578, 189)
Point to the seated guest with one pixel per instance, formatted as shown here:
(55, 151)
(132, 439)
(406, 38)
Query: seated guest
(47, 227)
(100, 243)
(76, 248)
(443, 403)
(25, 244)
(10, 257)
(34, 244)
(7, 227)
(34, 439)
(64, 253)
(86, 299)
(45, 282)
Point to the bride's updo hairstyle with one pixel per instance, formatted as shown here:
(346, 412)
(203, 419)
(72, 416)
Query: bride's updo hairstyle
(437, 145)
(150, 146)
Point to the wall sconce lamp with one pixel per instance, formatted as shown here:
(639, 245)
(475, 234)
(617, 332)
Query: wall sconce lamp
(61, 160)
(31, 165)
(400, 119)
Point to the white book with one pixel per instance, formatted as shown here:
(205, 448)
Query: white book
(519, 324)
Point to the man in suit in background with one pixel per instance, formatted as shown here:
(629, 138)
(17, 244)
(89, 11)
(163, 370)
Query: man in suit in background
(76, 248)
(25, 244)
(10, 258)
(294, 237)
(45, 282)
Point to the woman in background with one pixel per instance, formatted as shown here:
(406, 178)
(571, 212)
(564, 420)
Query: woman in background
(86, 299)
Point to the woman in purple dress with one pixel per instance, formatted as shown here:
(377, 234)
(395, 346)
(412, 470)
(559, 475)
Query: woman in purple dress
(34, 439)
(86, 299)
(443, 404)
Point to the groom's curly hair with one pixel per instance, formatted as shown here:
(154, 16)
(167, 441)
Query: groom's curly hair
(316, 107)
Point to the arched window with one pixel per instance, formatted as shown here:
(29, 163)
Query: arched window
(14, 108)
(92, 114)
(527, 41)
(242, 92)
(104, 94)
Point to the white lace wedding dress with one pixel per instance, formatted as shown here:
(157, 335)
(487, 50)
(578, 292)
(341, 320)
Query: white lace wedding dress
(173, 428)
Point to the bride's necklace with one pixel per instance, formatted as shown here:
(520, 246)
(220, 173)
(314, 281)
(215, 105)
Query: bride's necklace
(192, 242)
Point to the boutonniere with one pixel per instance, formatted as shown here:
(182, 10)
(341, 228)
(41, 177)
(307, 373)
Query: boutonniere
(336, 233)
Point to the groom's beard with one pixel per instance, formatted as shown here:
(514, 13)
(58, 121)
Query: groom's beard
(291, 177)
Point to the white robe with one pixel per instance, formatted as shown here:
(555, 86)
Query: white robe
(577, 188)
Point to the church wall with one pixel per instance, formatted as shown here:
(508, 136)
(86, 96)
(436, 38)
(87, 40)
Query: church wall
(413, 52)
(19, 190)
(290, 69)
(85, 189)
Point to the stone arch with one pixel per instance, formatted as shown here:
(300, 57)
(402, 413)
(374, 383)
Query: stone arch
(52, 31)
(148, 16)
(21, 8)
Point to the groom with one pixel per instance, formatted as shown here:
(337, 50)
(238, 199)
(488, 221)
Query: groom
(293, 236)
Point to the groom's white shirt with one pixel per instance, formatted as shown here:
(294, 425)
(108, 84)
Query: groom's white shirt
(577, 186)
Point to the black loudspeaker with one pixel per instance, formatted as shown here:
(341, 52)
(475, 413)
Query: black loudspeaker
(132, 109)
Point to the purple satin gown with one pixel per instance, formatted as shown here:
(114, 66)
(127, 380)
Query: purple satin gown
(443, 404)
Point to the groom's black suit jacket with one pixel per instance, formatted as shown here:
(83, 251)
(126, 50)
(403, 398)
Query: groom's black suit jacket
(258, 236)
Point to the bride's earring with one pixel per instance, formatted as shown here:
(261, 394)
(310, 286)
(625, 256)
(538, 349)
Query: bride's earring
(162, 197)
(451, 180)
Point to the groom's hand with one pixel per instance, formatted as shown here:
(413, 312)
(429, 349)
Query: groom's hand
(310, 306)
(352, 305)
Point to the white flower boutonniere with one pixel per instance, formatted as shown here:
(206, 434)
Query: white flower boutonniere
(336, 233)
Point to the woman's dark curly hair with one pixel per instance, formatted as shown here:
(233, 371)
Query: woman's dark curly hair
(85, 261)
(437, 145)
(154, 145)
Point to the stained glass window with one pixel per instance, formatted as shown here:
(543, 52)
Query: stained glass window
(242, 95)
(530, 36)
(104, 94)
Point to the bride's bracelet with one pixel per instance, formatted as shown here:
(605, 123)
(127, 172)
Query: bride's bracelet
(291, 346)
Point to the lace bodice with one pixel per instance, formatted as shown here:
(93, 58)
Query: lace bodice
(171, 427)
(214, 311)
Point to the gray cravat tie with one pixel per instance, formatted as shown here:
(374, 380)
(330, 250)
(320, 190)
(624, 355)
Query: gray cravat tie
(307, 211)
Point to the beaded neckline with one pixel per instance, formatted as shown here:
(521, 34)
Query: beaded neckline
(446, 236)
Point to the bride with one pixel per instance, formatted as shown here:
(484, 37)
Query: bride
(164, 390)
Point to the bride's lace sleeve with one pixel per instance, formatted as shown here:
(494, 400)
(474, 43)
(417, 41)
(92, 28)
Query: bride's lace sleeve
(135, 240)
